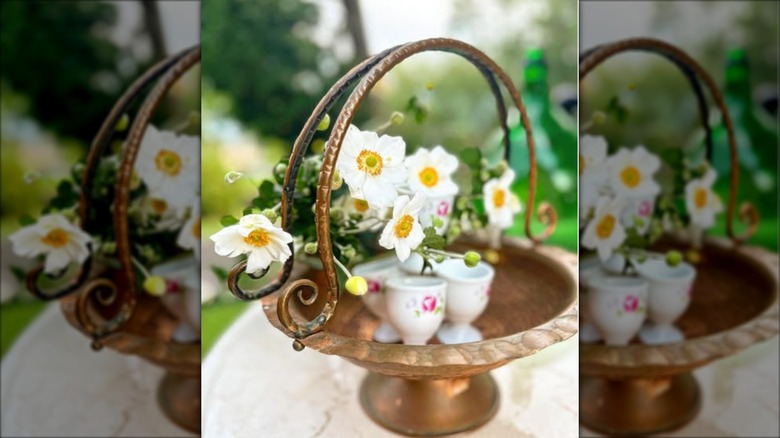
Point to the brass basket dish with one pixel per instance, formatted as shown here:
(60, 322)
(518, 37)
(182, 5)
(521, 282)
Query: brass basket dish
(104, 303)
(433, 389)
(646, 389)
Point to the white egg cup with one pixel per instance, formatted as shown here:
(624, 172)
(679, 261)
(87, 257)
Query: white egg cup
(414, 264)
(590, 268)
(376, 273)
(468, 292)
(669, 294)
(415, 306)
(617, 306)
(440, 207)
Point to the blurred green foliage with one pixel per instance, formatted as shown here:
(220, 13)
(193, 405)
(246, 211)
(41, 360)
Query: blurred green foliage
(257, 52)
(58, 56)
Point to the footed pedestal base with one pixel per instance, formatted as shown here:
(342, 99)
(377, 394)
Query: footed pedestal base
(179, 398)
(638, 407)
(429, 407)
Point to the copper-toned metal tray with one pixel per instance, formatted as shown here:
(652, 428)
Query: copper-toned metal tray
(104, 303)
(432, 389)
(645, 389)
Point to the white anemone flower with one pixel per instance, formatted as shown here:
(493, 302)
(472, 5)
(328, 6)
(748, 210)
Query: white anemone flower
(372, 166)
(605, 232)
(501, 203)
(702, 203)
(631, 173)
(593, 156)
(169, 165)
(371, 216)
(54, 236)
(189, 235)
(430, 171)
(404, 232)
(255, 235)
(158, 213)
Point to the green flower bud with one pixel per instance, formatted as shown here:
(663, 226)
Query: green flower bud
(396, 118)
(639, 222)
(349, 252)
(135, 180)
(437, 222)
(438, 258)
(461, 203)
(357, 285)
(154, 285)
(501, 167)
(483, 163)
(673, 258)
(484, 175)
(122, 123)
(270, 214)
(471, 259)
(317, 146)
(324, 123)
(279, 170)
(355, 216)
(337, 214)
(337, 181)
(310, 248)
(108, 248)
(194, 119)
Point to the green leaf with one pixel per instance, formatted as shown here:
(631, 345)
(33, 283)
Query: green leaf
(420, 115)
(247, 211)
(471, 157)
(228, 220)
(26, 220)
(617, 109)
(434, 242)
(411, 104)
(266, 189)
(19, 273)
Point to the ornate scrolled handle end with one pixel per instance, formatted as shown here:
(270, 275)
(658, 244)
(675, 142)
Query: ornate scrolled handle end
(302, 330)
(748, 214)
(241, 294)
(101, 293)
(547, 215)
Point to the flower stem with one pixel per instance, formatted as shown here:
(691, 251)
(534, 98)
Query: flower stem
(140, 267)
(445, 253)
(343, 268)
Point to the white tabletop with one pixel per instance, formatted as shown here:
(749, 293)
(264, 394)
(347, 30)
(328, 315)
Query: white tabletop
(255, 384)
(739, 396)
(53, 384)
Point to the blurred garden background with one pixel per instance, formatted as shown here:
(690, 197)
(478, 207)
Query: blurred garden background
(648, 101)
(64, 64)
(266, 64)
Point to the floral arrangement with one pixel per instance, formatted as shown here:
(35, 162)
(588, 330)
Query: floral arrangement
(382, 199)
(623, 209)
(164, 210)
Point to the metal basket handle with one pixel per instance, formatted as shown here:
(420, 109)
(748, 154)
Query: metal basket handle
(371, 71)
(747, 211)
(103, 291)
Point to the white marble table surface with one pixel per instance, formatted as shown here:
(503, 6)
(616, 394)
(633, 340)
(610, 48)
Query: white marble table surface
(53, 384)
(739, 396)
(255, 384)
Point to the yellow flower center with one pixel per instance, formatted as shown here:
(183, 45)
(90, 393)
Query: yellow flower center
(56, 238)
(257, 238)
(369, 162)
(404, 226)
(499, 197)
(429, 177)
(582, 164)
(605, 226)
(168, 162)
(630, 177)
(361, 205)
(700, 198)
(159, 205)
(196, 229)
